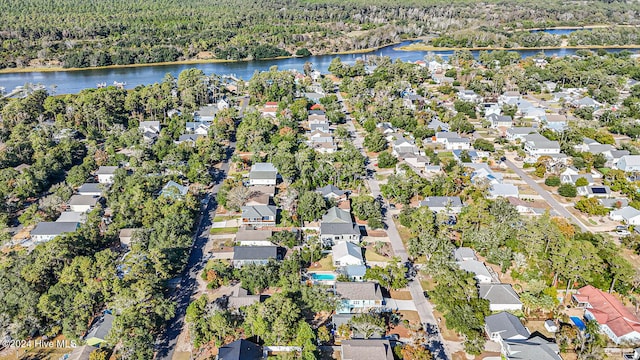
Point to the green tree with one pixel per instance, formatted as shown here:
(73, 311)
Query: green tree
(567, 190)
(375, 141)
(311, 206)
(386, 160)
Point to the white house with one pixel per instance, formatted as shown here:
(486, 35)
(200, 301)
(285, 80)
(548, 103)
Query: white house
(501, 297)
(319, 136)
(346, 253)
(263, 174)
(336, 226)
(447, 204)
(615, 320)
(505, 326)
(628, 214)
(516, 133)
(500, 121)
(629, 163)
(481, 272)
(46, 231)
(106, 173)
(509, 97)
(402, 145)
(94, 189)
(537, 145)
(503, 190)
(82, 203)
(459, 143)
(469, 95)
(358, 297)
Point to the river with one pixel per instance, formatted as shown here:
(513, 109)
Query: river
(71, 82)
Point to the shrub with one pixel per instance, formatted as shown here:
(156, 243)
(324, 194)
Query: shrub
(386, 160)
(552, 181)
(582, 182)
(567, 190)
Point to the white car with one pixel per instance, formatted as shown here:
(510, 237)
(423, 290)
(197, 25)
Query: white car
(623, 232)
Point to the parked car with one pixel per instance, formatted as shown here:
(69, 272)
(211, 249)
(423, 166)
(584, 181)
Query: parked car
(623, 232)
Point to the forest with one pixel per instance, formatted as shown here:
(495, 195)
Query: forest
(82, 33)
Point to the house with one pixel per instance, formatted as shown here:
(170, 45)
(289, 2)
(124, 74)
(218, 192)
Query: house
(82, 203)
(481, 272)
(149, 127)
(613, 157)
(501, 297)
(322, 125)
(518, 133)
(319, 136)
(336, 225)
(258, 198)
(260, 255)
(500, 121)
(72, 217)
(629, 163)
(249, 237)
(314, 97)
(614, 203)
(537, 145)
(447, 204)
(442, 136)
(402, 145)
(366, 349)
(586, 102)
(628, 214)
(357, 297)
(240, 298)
(469, 95)
(602, 191)
(324, 147)
(332, 192)
(535, 347)
(353, 272)
(509, 96)
(98, 332)
(615, 320)
(46, 231)
(126, 236)
(481, 172)
(555, 122)
(261, 215)
(206, 113)
(188, 139)
(570, 175)
(346, 253)
(505, 326)
(490, 108)
(240, 350)
(270, 109)
(417, 161)
(90, 189)
(464, 254)
(174, 190)
(106, 173)
(458, 143)
(81, 353)
(503, 190)
(197, 127)
(317, 115)
(438, 126)
(263, 174)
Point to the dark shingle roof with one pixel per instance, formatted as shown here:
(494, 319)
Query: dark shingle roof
(240, 350)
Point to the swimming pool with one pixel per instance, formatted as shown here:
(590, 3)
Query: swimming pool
(579, 323)
(323, 277)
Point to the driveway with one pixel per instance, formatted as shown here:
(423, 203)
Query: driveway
(546, 196)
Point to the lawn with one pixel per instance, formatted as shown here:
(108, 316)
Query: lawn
(411, 316)
(603, 170)
(401, 295)
(222, 231)
(325, 264)
(371, 255)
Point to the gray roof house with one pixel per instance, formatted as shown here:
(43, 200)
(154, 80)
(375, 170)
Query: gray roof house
(464, 254)
(448, 204)
(538, 145)
(82, 203)
(347, 253)
(240, 297)
(240, 350)
(629, 163)
(260, 215)
(332, 192)
(72, 217)
(106, 173)
(358, 296)
(243, 255)
(370, 349)
(481, 272)
(263, 174)
(500, 121)
(94, 189)
(336, 225)
(81, 352)
(501, 297)
(516, 133)
(46, 231)
(354, 272)
(402, 145)
(174, 190)
(99, 330)
(535, 348)
(249, 237)
(628, 214)
(505, 326)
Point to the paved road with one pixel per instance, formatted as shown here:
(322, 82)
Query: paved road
(545, 195)
(424, 307)
(166, 343)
